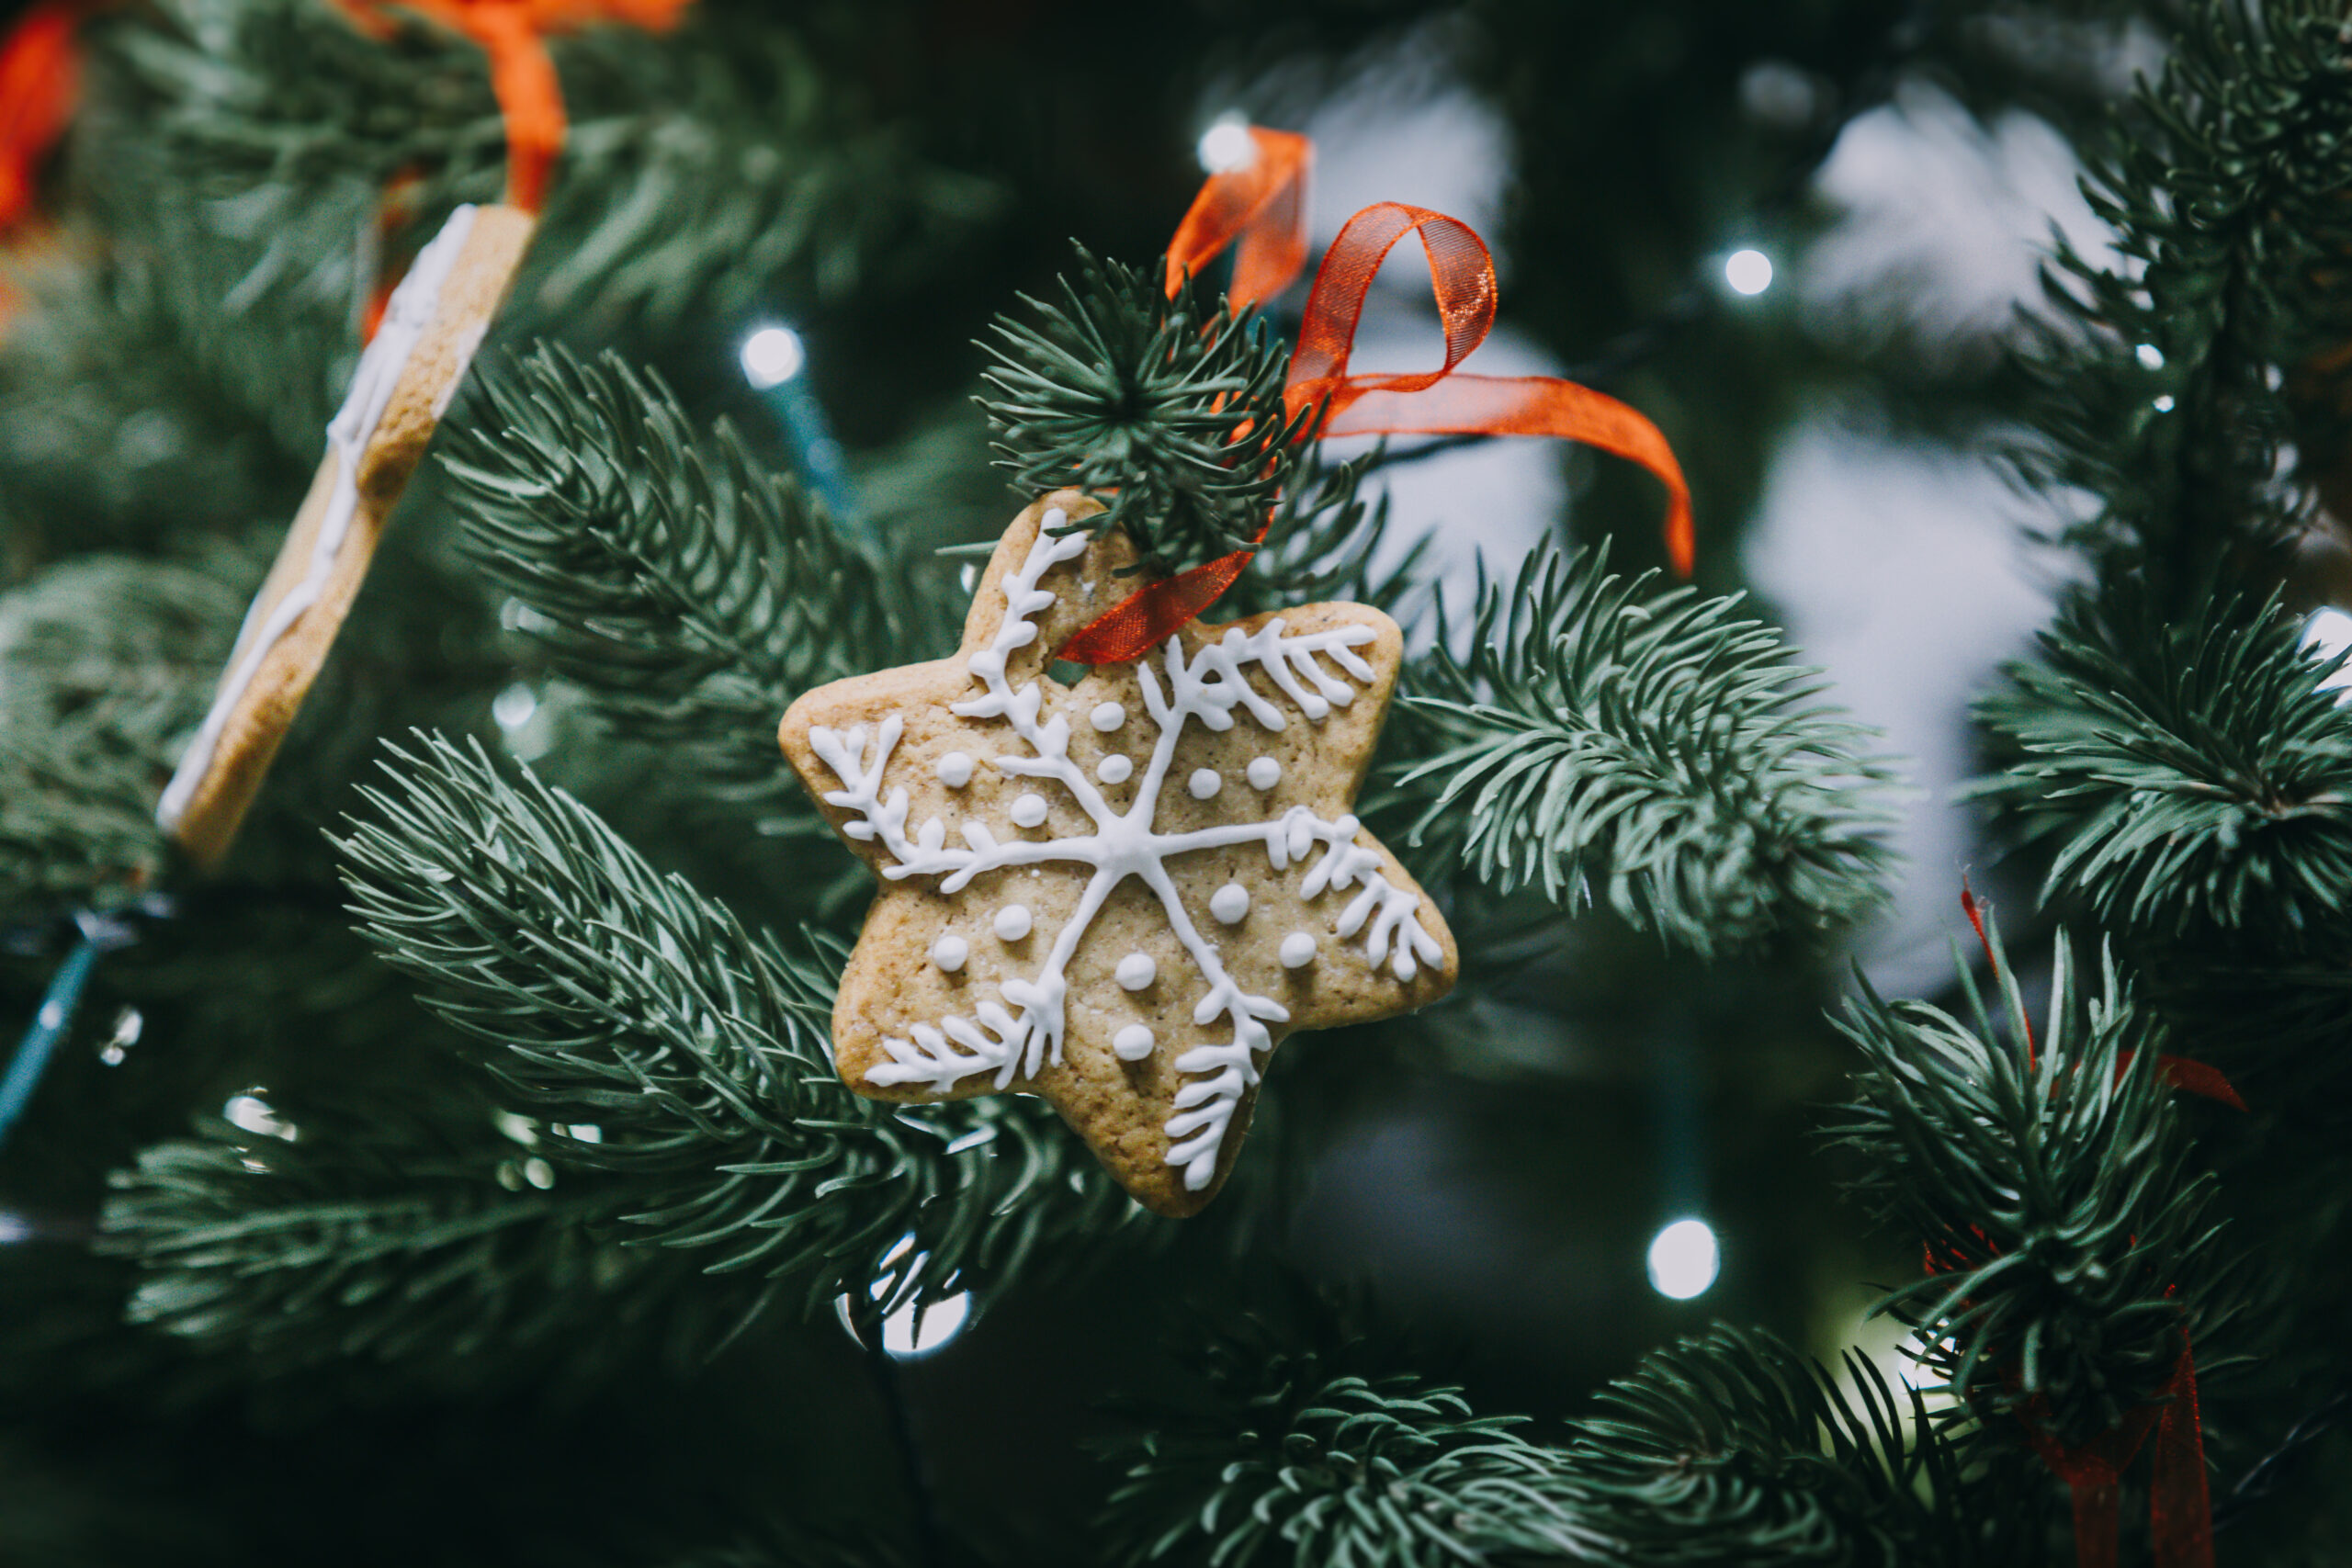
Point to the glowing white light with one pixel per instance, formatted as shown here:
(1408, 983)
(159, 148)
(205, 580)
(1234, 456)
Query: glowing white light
(773, 356)
(1748, 271)
(14, 1227)
(908, 1332)
(1226, 145)
(2163, 404)
(513, 706)
(252, 1114)
(1684, 1259)
(2151, 357)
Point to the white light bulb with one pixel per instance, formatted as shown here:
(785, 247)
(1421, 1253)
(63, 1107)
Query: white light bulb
(1684, 1259)
(773, 356)
(2328, 633)
(1226, 145)
(1748, 271)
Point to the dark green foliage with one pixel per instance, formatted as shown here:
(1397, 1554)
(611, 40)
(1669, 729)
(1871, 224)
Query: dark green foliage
(1287, 1455)
(2186, 776)
(1600, 731)
(105, 665)
(1724, 1450)
(607, 995)
(1117, 387)
(690, 595)
(1731, 1449)
(2226, 181)
(2045, 1175)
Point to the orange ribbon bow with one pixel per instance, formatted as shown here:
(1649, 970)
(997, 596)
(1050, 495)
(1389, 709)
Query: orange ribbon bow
(1262, 202)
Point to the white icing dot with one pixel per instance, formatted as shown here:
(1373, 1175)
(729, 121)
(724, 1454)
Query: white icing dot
(1264, 773)
(1114, 770)
(1137, 970)
(1204, 783)
(1134, 1042)
(956, 769)
(1029, 811)
(1298, 951)
(1012, 923)
(949, 952)
(1230, 903)
(1107, 717)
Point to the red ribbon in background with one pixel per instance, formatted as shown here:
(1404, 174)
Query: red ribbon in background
(40, 81)
(530, 99)
(2181, 1505)
(1262, 202)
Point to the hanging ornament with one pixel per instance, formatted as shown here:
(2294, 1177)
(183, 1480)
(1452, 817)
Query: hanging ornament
(1119, 894)
(422, 341)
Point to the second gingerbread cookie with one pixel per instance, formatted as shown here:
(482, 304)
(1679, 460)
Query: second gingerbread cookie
(1122, 893)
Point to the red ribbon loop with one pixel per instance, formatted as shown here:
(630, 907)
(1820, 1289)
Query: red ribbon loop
(2180, 1507)
(1263, 203)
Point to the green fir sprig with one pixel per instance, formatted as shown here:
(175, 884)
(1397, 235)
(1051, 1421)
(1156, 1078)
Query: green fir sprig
(1169, 410)
(605, 994)
(1652, 743)
(2045, 1173)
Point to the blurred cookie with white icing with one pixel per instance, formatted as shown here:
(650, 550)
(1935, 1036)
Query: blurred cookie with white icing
(434, 322)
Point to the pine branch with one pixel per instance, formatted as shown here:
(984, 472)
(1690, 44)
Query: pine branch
(2188, 776)
(2155, 377)
(1724, 1450)
(2046, 1177)
(106, 663)
(708, 168)
(1171, 410)
(689, 596)
(607, 995)
(1655, 743)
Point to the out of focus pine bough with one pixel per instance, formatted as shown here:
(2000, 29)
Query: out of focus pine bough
(2046, 1177)
(104, 662)
(706, 170)
(2156, 384)
(1653, 743)
(688, 594)
(1725, 1448)
(2187, 777)
(605, 995)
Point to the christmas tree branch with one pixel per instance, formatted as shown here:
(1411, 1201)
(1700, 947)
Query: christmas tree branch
(2188, 777)
(689, 596)
(607, 995)
(2045, 1176)
(1725, 1448)
(1651, 742)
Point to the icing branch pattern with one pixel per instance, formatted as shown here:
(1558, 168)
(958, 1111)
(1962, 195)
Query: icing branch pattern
(1016, 1036)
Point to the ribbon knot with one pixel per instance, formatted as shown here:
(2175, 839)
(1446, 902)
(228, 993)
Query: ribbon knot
(1263, 204)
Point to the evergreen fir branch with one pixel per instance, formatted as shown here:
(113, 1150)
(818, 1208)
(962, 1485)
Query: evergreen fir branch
(378, 1238)
(1653, 742)
(1326, 541)
(2155, 381)
(691, 596)
(1724, 1450)
(705, 168)
(2186, 776)
(607, 995)
(106, 664)
(2046, 1177)
(1169, 410)
(1729, 1448)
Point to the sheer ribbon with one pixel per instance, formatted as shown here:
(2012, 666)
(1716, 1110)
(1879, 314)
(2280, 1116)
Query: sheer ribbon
(1263, 204)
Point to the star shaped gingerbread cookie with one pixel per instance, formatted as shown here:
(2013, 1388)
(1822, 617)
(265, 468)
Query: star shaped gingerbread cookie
(1118, 894)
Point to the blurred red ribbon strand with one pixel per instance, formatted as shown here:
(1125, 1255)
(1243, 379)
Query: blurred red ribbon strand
(1263, 203)
(40, 76)
(2180, 1508)
(512, 33)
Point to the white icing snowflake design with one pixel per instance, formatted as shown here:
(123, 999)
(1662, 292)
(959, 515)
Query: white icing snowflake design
(1016, 1037)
